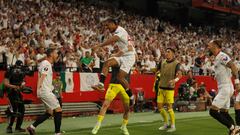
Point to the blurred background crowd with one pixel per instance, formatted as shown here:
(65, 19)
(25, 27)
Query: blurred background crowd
(28, 27)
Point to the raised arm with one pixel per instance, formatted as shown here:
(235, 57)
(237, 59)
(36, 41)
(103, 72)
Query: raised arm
(109, 41)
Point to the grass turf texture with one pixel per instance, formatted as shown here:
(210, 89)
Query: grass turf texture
(197, 123)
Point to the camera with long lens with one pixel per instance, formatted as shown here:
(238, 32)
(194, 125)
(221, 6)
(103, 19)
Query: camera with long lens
(18, 73)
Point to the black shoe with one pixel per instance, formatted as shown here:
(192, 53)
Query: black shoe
(20, 130)
(156, 111)
(131, 97)
(30, 130)
(9, 130)
(129, 93)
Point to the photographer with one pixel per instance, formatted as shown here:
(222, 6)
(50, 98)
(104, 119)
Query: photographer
(13, 81)
(203, 94)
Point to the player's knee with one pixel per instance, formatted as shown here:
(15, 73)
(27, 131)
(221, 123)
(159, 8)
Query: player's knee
(169, 106)
(224, 111)
(58, 109)
(170, 110)
(160, 109)
(160, 106)
(105, 105)
(107, 63)
(49, 112)
(126, 110)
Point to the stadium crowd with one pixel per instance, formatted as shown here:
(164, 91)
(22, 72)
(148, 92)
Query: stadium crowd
(28, 27)
(225, 3)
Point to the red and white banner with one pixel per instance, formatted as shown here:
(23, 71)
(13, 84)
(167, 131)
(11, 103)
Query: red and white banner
(80, 90)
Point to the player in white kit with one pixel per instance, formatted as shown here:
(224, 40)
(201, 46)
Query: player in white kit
(124, 59)
(237, 109)
(224, 69)
(237, 105)
(44, 92)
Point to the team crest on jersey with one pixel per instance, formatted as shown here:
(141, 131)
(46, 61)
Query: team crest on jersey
(45, 69)
(225, 58)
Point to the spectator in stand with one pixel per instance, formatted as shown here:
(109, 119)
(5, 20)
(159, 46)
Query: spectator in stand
(71, 63)
(31, 59)
(21, 54)
(50, 23)
(152, 63)
(87, 62)
(237, 62)
(184, 65)
(197, 69)
(41, 54)
(47, 41)
(145, 64)
(96, 67)
(11, 55)
(2, 56)
(136, 70)
(32, 40)
(60, 65)
(208, 66)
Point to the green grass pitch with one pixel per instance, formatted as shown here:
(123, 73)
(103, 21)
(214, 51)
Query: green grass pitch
(198, 123)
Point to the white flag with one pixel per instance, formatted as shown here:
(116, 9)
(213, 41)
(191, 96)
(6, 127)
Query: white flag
(69, 82)
(87, 80)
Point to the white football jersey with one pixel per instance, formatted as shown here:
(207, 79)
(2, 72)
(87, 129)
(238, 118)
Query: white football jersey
(124, 39)
(222, 72)
(45, 67)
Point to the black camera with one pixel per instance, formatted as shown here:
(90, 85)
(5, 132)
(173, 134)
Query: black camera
(184, 92)
(18, 73)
